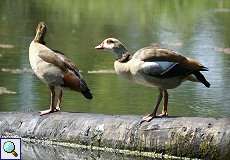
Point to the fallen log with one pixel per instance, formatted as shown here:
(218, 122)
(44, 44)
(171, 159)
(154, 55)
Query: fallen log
(194, 137)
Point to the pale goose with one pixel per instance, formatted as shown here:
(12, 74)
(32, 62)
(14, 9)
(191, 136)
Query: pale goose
(54, 69)
(154, 66)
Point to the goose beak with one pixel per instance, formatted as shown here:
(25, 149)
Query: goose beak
(99, 47)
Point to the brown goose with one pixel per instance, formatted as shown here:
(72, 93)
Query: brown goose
(54, 69)
(154, 66)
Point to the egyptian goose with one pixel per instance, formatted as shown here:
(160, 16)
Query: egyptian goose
(54, 69)
(154, 66)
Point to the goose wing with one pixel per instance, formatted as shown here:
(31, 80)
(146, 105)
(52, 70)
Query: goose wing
(159, 54)
(71, 76)
(58, 59)
(69, 64)
(166, 63)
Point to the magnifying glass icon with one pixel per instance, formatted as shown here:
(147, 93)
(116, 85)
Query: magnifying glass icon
(9, 147)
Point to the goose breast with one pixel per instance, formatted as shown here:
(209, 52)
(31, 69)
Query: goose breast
(46, 72)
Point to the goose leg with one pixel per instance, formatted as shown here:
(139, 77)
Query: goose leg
(58, 98)
(149, 117)
(164, 112)
(58, 107)
(52, 102)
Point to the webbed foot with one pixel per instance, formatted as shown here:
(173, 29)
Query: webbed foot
(147, 118)
(48, 111)
(163, 114)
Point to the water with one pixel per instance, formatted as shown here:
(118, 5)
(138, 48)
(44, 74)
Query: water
(31, 151)
(197, 29)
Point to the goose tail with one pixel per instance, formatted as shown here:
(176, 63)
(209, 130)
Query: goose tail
(85, 90)
(200, 77)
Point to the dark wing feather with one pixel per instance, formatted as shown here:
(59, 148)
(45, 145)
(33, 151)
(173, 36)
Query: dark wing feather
(69, 64)
(174, 71)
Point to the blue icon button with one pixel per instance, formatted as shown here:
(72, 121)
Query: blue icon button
(9, 147)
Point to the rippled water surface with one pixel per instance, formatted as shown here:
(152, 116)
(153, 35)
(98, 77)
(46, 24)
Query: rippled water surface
(198, 29)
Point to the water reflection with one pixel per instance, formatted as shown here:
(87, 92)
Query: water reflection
(31, 151)
(4, 90)
(102, 71)
(8, 46)
(17, 70)
(194, 28)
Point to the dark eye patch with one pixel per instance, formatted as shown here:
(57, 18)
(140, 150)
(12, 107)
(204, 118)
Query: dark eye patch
(110, 41)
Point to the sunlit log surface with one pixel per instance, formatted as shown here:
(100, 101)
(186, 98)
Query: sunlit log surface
(196, 137)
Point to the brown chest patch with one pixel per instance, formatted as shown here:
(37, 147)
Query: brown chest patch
(125, 58)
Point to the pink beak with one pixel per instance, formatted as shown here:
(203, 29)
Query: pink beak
(99, 47)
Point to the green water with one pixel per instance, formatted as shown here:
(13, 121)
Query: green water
(197, 29)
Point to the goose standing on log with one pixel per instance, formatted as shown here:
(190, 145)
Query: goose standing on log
(54, 69)
(154, 66)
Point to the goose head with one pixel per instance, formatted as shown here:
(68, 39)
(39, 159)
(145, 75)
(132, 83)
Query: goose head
(112, 45)
(40, 32)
